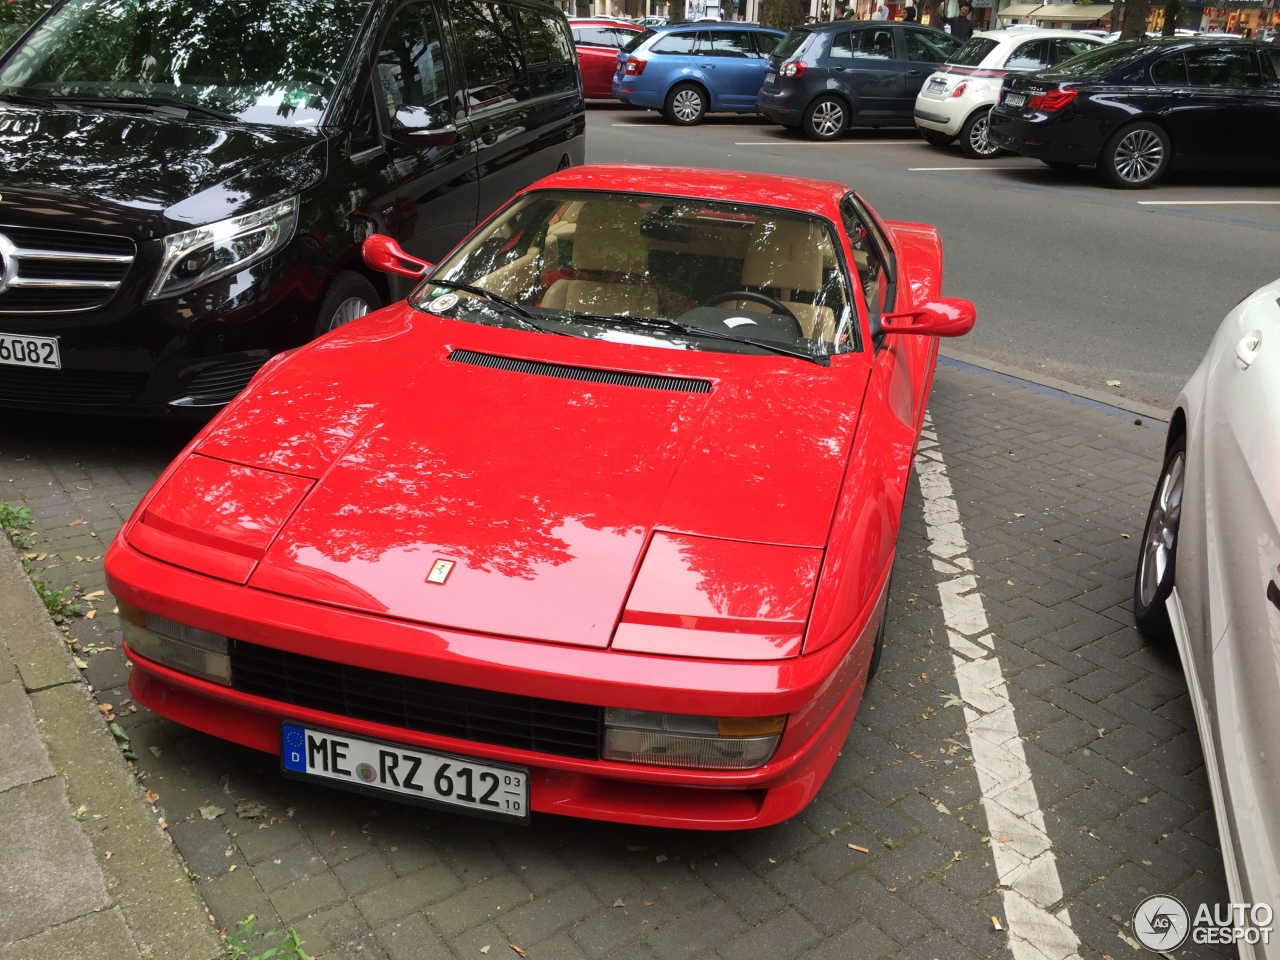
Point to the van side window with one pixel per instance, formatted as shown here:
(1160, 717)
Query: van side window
(492, 58)
(549, 53)
(410, 64)
(365, 134)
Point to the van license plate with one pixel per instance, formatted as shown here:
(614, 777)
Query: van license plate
(19, 351)
(479, 787)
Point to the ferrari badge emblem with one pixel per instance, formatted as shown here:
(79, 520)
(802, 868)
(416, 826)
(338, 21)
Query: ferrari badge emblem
(440, 571)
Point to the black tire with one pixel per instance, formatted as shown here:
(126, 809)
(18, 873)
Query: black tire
(349, 297)
(974, 141)
(686, 104)
(1060, 164)
(826, 118)
(1135, 157)
(1158, 552)
(878, 650)
(936, 138)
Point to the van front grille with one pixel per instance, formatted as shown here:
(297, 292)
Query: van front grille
(46, 271)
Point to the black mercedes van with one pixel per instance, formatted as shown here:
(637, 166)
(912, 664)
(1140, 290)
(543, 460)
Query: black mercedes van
(185, 184)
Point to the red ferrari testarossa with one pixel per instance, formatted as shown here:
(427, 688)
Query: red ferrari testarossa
(598, 522)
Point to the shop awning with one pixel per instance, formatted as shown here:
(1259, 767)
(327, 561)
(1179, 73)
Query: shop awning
(1073, 12)
(1019, 10)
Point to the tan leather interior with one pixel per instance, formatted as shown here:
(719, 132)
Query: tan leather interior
(607, 240)
(787, 256)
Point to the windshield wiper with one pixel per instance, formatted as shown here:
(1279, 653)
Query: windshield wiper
(663, 323)
(510, 307)
(21, 98)
(162, 104)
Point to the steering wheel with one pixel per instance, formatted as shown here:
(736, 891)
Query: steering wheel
(777, 306)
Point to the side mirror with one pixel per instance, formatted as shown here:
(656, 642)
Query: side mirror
(384, 255)
(944, 317)
(419, 126)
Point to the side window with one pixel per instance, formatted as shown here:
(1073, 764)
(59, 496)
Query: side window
(549, 53)
(1274, 56)
(1032, 55)
(766, 42)
(492, 58)
(1068, 47)
(841, 47)
(875, 271)
(410, 65)
(674, 43)
(1169, 72)
(874, 44)
(1222, 67)
(596, 37)
(365, 133)
(730, 43)
(926, 47)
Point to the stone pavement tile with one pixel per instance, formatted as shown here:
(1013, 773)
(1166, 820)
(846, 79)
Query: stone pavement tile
(611, 930)
(973, 877)
(863, 941)
(961, 921)
(204, 846)
(782, 937)
(298, 862)
(332, 930)
(490, 899)
(233, 896)
(760, 850)
(100, 936)
(40, 841)
(25, 757)
(364, 873)
(561, 947)
(946, 828)
(407, 894)
(752, 897)
(468, 944)
(696, 934)
(832, 859)
(307, 896)
(539, 869)
(413, 938)
(259, 844)
(936, 946)
(537, 919)
(914, 859)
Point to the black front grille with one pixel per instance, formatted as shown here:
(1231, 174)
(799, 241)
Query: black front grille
(60, 271)
(69, 387)
(539, 368)
(502, 719)
(220, 383)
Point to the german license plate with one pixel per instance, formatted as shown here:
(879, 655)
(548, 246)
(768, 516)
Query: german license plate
(937, 85)
(418, 776)
(1016, 99)
(769, 78)
(20, 351)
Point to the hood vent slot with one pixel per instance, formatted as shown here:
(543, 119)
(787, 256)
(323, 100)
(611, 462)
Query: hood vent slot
(540, 369)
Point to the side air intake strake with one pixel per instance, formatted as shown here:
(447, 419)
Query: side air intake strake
(539, 369)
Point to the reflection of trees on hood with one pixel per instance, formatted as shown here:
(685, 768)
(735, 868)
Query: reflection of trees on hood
(230, 52)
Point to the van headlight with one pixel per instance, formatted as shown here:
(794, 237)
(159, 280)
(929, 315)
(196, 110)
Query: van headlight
(195, 257)
(685, 740)
(176, 645)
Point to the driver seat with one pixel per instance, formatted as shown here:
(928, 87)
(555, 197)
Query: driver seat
(785, 257)
(610, 263)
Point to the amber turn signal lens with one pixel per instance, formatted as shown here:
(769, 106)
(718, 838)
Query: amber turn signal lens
(751, 726)
(132, 614)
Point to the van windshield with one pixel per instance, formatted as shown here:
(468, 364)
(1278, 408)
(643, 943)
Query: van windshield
(260, 61)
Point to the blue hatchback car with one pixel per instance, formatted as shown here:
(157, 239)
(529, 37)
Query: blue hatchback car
(688, 70)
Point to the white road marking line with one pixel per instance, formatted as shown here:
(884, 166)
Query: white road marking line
(983, 169)
(1025, 863)
(1208, 203)
(828, 143)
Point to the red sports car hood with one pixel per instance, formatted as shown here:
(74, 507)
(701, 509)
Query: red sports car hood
(539, 489)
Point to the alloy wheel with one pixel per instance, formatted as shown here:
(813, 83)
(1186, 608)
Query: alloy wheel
(1138, 156)
(352, 308)
(828, 118)
(687, 105)
(1161, 536)
(979, 140)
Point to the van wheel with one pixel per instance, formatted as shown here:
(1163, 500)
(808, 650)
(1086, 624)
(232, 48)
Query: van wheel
(975, 142)
(826, 118)
(936, 138)
(350, 297)
(1135, 156)
(686, 104)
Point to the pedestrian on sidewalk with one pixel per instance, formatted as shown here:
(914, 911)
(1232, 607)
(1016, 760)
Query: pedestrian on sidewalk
(962, 27)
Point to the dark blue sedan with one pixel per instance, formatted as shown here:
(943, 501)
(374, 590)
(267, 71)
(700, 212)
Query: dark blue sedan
(688, 70)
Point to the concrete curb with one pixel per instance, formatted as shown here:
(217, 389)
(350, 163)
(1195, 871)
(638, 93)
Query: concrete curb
(157, 912)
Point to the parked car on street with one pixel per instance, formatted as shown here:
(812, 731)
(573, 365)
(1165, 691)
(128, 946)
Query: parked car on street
(1208, 580)
(599, 522)
(597, 43)
(1135, 109)
(828, 77)
(955, 100)
(689, 71)
(186, 185)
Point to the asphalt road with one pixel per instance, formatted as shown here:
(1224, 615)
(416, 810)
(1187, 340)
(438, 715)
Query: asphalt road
(1071, 279)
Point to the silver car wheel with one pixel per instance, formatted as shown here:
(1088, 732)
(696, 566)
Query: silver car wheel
(828, 118)
(979, 141)
(1161, 536)
(687, 105)
(353, 308)
(1138, 156)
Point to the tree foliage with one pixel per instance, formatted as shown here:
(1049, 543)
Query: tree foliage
(15, 15)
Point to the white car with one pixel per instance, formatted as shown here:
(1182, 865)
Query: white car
(1209, 578)
(954, 101)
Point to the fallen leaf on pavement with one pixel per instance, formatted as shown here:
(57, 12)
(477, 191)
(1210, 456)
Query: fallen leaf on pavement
(151, 796)
(1003, 838)
(107, 855)
(952, 701)
(252, 810)
(660, 858)
(1113, 383)
(91, 614)
(854, 846)
(485, 948)
(211, 811)
(75, 523)
(517, 949)
(105, 708)
(942, 807)
(619, 903)
(81, 664)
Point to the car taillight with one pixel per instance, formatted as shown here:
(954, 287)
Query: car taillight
(961, 87)
(793, 69)
(1051, 100)
(635, 66)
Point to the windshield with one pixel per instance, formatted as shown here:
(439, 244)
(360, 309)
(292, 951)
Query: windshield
(261, 61)
(635, 41)
(973, 52)
(626, 267)
(1102, 60)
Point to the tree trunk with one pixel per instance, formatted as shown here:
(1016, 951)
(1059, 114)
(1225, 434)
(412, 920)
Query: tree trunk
(1135, 19)
(938, 13)
(675, 11)
(1172, 11)
(583, 8)
(783, 14)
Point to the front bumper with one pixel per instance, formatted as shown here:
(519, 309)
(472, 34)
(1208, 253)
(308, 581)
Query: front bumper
(819, 693)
